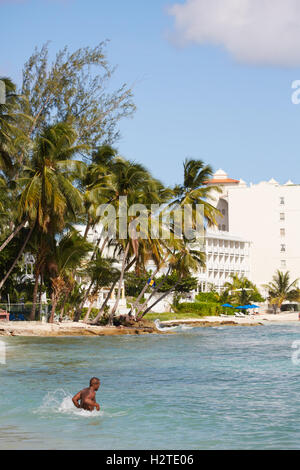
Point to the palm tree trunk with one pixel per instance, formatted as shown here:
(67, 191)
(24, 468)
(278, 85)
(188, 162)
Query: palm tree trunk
(87, 228)
(54, 299)
(17, 258)
(40, 296)
(61, 312)
(80, 307)
(13, 234)
(157, 301)
(110, 292)
(136, 303)
(144, 305)
(87, 315)
(35, 293)
(105, 303)
(115, 307)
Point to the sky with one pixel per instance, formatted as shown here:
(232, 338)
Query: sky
(211, 79)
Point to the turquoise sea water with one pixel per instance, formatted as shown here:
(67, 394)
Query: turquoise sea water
(210, 388)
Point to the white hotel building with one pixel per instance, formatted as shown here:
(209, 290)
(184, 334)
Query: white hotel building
(258, 233)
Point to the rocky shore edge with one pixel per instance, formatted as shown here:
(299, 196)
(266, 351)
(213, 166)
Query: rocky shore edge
(39, 329)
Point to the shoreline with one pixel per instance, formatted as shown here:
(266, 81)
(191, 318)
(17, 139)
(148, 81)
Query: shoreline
(39, 329)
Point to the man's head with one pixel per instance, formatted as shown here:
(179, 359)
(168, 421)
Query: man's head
(95, 383)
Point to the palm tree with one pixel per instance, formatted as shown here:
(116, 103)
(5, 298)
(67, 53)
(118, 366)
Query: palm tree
(49, 192)
(49, 196)
(12, 142)
(282, 289)
(133, 181)
(183, 260)
(68, 254)
(241, 291)
(102, 274)
(195, 191)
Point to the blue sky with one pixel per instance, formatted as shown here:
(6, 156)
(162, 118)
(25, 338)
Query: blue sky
(193, 98)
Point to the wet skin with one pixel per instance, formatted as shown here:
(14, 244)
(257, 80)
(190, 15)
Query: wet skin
(87, 398)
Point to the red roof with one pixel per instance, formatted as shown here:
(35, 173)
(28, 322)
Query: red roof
(222, 181)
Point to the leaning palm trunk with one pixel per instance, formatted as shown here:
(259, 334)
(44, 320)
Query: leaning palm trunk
(80, 307)
(115, 307)
(13, 234)
(17, 258)
(101, 311)
(92, 299)
(136, 303)
(144, 305)
(157, 301)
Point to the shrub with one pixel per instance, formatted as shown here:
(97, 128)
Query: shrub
(204, 308)
(207, 297)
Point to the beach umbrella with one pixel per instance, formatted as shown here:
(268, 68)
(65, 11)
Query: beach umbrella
(244, 307)
(228, 306)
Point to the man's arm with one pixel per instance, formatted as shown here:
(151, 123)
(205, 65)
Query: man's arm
(76, 398)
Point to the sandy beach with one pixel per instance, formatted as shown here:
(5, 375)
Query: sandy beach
(250, 320)
(82, 329)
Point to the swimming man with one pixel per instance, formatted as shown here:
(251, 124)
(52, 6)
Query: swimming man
(87, 396)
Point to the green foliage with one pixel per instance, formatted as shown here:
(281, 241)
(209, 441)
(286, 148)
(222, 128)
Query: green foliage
(134, 284)
(207, 297)
(76, 89)
(204, 308)
(240, 291)
(282, 288)
(185, 284)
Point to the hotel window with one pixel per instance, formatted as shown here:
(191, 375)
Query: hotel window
(282, 232)
(282, 216)
(283, 263)
(283, 248)
(282, 201)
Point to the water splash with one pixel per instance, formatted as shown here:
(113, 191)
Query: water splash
(60, 401)
(169, 328)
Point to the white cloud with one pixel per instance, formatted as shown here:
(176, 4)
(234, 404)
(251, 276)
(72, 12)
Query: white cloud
(263, 32)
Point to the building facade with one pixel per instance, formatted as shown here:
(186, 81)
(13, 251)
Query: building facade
(226, 255)
(266, 214)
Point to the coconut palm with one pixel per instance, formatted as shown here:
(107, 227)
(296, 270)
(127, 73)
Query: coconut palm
(241, 291)
(68, 253)
(133, 181)
(183, 260)
(102, 273)
(49, 195)
(49, 192)
(195, 191)
(282, 289)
